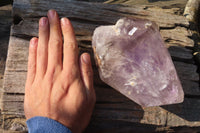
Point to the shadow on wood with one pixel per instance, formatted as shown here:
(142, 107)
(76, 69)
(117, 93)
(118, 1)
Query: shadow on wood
(117, 126)
(5, 2)
(188, 110)
(187, 71)
(112, 110)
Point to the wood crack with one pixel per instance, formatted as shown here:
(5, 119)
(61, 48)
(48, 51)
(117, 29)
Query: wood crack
(22, 94)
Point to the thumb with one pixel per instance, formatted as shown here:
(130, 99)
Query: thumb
(86, 71)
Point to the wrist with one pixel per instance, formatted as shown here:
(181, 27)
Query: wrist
(40, 124)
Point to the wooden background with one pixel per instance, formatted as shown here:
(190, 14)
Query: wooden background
(113, 111)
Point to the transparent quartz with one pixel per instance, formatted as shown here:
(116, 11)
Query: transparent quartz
(132, 58)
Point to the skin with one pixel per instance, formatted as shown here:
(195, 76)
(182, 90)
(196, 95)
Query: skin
(59, 84)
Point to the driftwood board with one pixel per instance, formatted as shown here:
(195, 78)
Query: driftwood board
(5, 23)
(113, 111)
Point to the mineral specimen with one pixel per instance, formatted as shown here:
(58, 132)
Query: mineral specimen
(132, 58)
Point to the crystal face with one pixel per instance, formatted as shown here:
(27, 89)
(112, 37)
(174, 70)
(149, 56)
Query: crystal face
(132, 58)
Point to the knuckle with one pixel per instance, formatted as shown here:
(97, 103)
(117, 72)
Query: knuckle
(71, 45)
(71, 73)
(31, 66)
(55, 42)
(40, 52)
(65, 85)
(88, 72)
(68, 76)
(50, 74)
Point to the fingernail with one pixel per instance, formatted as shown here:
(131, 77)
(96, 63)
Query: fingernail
(64, 21)
(51, 13)
(33, 42)
(86, 58)
(43, 21)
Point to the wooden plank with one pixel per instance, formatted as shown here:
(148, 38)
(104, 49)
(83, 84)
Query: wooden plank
(6, 20)
(178, 35)
(85, 21)
(191, 10)
(5, 23)
(97, 12)
(17, 65)
(161, 3)
(6, 131)
(111, 106)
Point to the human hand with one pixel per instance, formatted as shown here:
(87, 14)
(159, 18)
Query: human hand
(59, 85)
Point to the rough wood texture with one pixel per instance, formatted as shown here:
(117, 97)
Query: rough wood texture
(191, 9)
(113, 111)
(5, 23)
(167, 4)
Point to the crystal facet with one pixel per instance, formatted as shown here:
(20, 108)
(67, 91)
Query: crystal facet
(132, 58)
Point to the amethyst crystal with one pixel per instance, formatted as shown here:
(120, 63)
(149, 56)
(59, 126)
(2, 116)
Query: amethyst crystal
(132, 58)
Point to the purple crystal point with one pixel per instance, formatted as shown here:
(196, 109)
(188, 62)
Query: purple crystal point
(132, 58)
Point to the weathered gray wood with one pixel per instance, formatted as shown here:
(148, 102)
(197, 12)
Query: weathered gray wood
(178, 35)
(111, 107)
(85, 21)
(17, 65)
(5, 23)
(191, 10)
(167, 4)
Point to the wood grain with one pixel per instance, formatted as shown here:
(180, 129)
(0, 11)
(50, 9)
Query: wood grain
(5, 23)
(112, 108)
(166, 4)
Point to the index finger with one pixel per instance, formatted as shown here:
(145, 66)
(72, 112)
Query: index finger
(70, 48)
